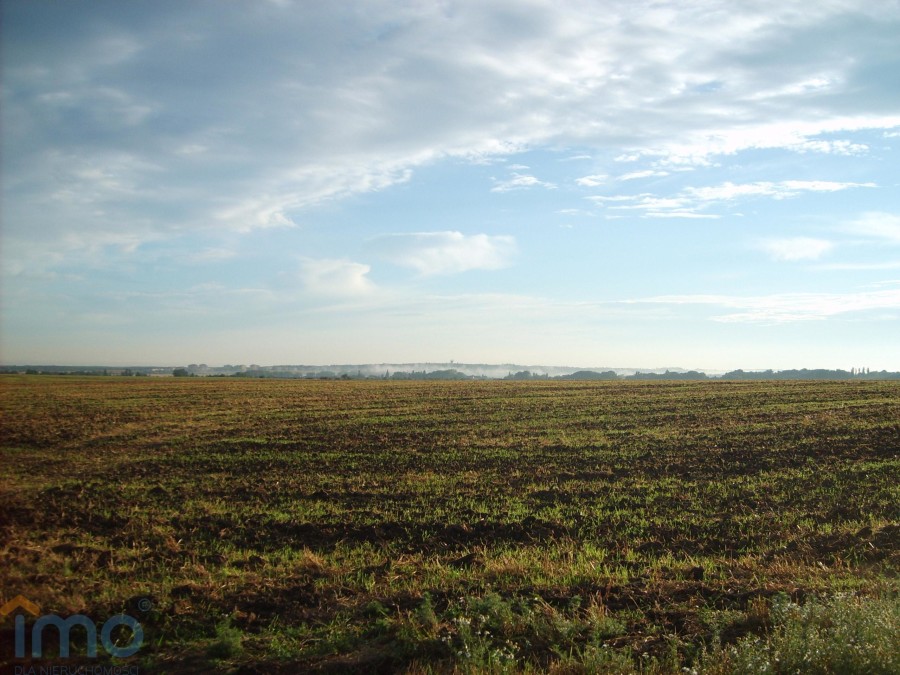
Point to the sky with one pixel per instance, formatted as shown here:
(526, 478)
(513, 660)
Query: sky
(624, 183)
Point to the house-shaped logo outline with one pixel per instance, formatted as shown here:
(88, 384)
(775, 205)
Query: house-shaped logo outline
(20, 601)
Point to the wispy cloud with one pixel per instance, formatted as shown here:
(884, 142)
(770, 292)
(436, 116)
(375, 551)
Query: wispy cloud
(786, 307)
(263, 138)
(649, 173)
(335, 277)
(592, 181)
(777, 190)
(699, 147)
(876, 225)
(691, 201)
(832, 147)
(436, 253)
(520, 182)
(796, 248)
(871, 231)
(257, 213)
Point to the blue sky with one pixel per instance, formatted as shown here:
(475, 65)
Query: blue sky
(706, 185)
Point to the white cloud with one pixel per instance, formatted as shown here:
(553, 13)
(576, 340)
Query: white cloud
(810, 85)
(798, 135)
(777, 190)
(592, 181)
(256, 213)
(833, 147)
(335, 277)
(519, 182)
(434, 253)
(876, 225)
(599, 199)
(796, 248)
(691, 201)
(634, 175)
(329, 100)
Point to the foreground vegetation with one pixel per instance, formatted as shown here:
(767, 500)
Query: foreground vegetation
(293, 526)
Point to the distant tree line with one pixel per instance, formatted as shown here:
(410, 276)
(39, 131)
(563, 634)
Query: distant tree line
(448, 374)
(62, 370)
(668, 375)
(815, 374)
(802, 374)
(578, 375)
(454, 374)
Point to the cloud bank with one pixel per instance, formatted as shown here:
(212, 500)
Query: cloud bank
(153, 121)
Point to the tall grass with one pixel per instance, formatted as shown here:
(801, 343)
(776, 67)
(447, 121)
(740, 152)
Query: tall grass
(843, 635)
